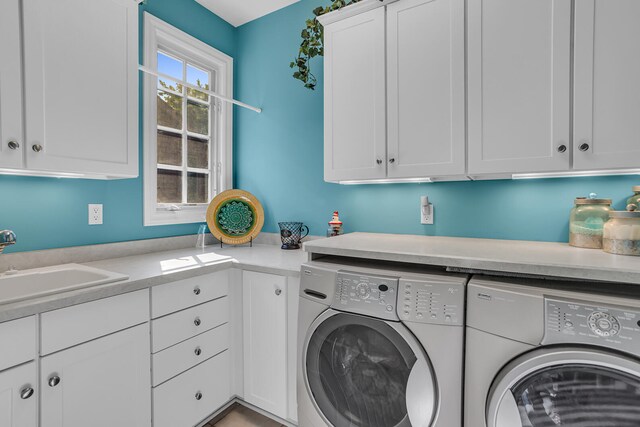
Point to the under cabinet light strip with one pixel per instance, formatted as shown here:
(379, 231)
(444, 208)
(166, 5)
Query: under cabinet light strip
(385, 181)
(199, 89)
(575, 174)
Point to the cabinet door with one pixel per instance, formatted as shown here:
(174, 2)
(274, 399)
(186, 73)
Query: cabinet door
(519, 89)
(102, 383)
(607, 84)
(265, 341)
(354, 98)
(18, 403)
(81, 86)
(426, 88)
(10, 86)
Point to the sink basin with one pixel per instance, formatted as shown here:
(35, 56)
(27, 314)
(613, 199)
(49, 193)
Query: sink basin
(22, 285)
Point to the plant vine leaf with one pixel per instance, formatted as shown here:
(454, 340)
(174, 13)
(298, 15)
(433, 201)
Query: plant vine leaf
(312, 44)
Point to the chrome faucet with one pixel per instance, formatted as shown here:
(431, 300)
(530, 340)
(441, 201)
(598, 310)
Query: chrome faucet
(7, 237)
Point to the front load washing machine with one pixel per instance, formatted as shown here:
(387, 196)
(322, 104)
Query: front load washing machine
(379, 347)
(549, 354)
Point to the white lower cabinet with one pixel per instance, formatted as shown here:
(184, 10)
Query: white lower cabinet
(194, 395)
(18, 403)
(265, 341)
(192, 369)
(102, 383)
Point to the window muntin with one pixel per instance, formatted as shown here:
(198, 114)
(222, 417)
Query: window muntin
(184, 140)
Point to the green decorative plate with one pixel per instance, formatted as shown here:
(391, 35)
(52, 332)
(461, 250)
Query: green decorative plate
(235, 217)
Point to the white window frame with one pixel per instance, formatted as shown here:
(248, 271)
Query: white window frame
(158, 35)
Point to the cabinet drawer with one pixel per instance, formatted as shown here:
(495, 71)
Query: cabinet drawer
(175, 402)
(170, 330)
(177, 359)
(175, 296)
(80, 323)
(18, 342)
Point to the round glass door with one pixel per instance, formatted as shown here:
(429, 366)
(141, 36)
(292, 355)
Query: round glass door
(359, 371)
(568, 388)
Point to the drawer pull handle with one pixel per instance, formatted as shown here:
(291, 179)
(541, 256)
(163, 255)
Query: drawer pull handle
(54, 381)
(196, 291)
(26, 392)
(198, 396)
(36, 147)
(198, 351)
(278, 292)
(197, 321)
(13, 145)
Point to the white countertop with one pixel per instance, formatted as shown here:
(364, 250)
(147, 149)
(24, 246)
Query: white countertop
(510, 256)
(156, 268)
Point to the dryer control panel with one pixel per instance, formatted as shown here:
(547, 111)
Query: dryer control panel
(431, 302)
(587, 323)
(366, 294)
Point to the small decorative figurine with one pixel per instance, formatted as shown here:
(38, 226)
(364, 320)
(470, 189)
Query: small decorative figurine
(335, 226)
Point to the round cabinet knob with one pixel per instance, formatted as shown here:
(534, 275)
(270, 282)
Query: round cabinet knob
(196, 291)
(583, 147)
(54, 381)
(198, 396)
(562, 148)
(37, 148)
(278, 292)
(26, 392)
(379, 161)
(13, 145)
(198, 351)
(392, 160)
(197, 321)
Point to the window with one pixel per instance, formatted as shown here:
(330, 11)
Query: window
(187, 132)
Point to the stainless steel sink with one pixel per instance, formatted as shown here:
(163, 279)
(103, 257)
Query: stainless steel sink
(22, 285)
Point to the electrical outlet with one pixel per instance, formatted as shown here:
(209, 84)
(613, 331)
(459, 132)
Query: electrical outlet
(95, 214)
(426, 211)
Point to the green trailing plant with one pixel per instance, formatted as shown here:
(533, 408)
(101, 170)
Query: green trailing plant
(313, 44)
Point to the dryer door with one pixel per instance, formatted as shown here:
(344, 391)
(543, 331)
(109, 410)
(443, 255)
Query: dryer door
(566, 387)
(365, 372)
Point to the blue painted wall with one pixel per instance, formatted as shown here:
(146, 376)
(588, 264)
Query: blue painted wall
(51, 212)
(279, 158)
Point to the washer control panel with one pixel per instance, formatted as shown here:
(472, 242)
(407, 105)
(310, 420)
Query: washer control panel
(587, 323)
(366, 294)
(431, 302)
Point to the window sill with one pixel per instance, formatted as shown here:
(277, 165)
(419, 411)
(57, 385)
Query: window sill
(168, 217)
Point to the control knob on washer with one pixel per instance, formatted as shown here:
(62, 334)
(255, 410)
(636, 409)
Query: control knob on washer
(363, 290)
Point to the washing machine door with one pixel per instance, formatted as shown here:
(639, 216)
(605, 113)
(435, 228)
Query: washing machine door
(365, 372)
(566, 387)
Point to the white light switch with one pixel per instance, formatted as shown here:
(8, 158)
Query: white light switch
(426, 211)
(95, 214)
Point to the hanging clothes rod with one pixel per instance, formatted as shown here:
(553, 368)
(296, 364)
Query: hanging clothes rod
(199, 89)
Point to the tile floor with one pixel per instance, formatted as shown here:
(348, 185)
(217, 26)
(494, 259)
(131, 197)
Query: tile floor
(241, 416)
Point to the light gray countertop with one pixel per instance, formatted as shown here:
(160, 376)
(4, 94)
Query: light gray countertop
(157, 268)
(507, 256)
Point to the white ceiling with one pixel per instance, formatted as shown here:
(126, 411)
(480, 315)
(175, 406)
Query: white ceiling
(238, 12)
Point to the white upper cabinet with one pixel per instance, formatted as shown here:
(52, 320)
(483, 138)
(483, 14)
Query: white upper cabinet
(607, 84)
(519, 55)
(354, 97)
(81, 86)
(11, 139)
(426, 88)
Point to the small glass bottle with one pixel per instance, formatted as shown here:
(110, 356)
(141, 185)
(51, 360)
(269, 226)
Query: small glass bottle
(635, 199)
(587, 220)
